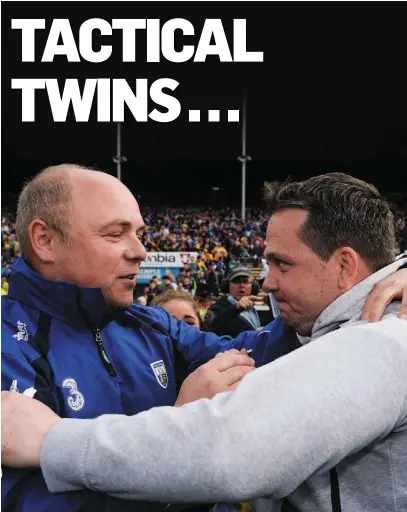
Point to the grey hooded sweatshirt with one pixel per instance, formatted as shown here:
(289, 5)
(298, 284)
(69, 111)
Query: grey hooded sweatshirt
(324, 427)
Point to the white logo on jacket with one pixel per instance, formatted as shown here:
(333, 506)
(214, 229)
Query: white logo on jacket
(22, 333)
(160, 373)
(76, 400)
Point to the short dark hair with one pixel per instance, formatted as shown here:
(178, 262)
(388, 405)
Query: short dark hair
(343, 212)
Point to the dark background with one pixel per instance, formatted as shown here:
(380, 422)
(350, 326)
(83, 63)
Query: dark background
(331, 95)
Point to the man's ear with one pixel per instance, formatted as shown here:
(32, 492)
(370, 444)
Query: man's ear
(43, 240)
(348, 261)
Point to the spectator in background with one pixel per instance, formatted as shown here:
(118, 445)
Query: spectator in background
(152, 291)
(182, 274)
(232, 263)
(5, 271)
(6, 247)
(258, 251)
(236, 249)
(200, 263)
(14, 246)
(4, 286)
(189, 274)
(173, 282)
(245, 256)
(219, 252)
(202, 288)
(235, 313)
(193, 278)
(166, 285)
(193, 265)
(180, 305)
(188, 285)
(141, 301)
(206, 316)
(213, 280)
(220, 266)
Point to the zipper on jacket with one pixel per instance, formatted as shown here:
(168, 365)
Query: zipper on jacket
(106, 363)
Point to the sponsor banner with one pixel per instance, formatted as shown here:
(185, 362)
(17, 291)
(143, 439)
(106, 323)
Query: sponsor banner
(168, 259)
(146, 274)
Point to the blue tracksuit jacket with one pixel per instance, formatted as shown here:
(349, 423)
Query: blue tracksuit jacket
(58, 343)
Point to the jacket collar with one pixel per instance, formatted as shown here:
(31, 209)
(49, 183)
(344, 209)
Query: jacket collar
(75, 305)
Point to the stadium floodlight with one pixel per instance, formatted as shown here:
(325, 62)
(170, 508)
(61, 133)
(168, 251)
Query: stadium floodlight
(244, 158)
(119, 158)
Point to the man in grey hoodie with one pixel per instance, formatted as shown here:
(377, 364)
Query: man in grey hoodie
(322, 429)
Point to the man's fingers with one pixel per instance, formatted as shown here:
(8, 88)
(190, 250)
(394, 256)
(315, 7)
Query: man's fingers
(253, 297)
(403, 307)
(230, 360)
(235, 375)
(378, 300)
(392, 287)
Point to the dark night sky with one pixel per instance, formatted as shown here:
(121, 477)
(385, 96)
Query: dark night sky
(330, 95)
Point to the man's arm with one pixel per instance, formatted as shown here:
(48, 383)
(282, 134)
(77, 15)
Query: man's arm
(198, 347)
(298, 416)
(272, 341)
(24, 490)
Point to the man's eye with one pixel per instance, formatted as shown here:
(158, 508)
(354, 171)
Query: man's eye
(115, 235)
(280, 263)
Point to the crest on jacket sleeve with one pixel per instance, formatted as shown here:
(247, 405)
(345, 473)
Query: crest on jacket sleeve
(160, 373)
(22, 333)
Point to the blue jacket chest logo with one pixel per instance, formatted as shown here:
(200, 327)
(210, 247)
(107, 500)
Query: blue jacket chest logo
(160, 373)
(76, 400)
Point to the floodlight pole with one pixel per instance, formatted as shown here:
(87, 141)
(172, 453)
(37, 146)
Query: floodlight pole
(244, 158)
(119, 159)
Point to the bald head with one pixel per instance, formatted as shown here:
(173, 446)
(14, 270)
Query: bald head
(54, 194)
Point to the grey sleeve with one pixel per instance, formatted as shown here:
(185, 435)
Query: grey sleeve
(295, 417)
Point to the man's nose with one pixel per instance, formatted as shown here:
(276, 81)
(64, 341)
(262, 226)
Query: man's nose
(270, 284)
(135, 251)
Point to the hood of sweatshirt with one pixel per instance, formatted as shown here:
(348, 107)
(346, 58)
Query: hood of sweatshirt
(348, 307)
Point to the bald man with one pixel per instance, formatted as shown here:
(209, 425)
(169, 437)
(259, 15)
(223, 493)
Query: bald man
(72, 338)
(68, 335)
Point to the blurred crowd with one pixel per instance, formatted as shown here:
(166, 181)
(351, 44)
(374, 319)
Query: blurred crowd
(400, 222)
(10, 249)
(214, 234)
(221, 239)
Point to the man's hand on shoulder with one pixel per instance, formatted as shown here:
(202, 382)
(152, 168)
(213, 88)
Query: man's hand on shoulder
(393, 287)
